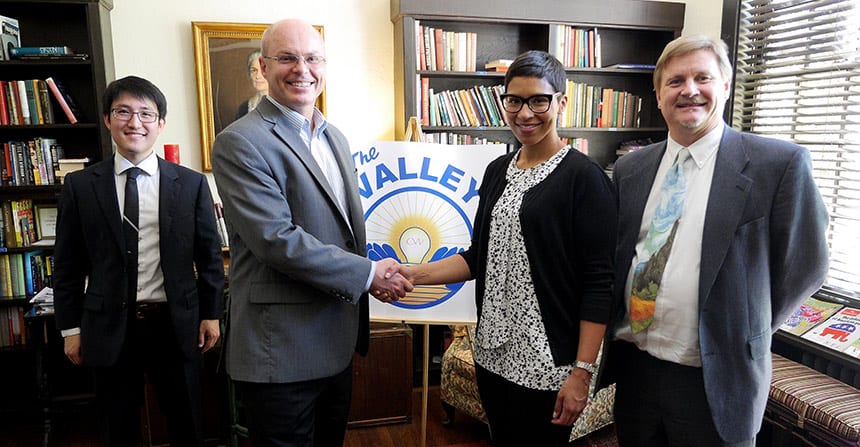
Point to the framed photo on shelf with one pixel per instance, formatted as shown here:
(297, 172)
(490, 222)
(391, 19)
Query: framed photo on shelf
(229, 81)
(46, 221)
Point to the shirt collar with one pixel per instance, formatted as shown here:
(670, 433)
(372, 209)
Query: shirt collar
(700, 151)
(297, 121)
(149, 165)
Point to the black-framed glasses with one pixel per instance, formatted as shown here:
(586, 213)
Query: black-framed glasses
(293, 59)
(145, 116)
(537, 103)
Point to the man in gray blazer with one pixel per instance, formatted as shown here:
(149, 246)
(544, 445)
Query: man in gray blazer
(748, 248)
(299, 276)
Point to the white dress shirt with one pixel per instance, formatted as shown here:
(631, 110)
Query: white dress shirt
(150, 278)
(674, 334)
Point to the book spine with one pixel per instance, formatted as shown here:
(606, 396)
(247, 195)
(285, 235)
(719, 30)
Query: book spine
(4, 106)
(45, 101)
(48, 50)
(24, 104)
(52, 85)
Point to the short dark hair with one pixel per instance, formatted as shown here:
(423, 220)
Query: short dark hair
(538, 64)
(139, 88)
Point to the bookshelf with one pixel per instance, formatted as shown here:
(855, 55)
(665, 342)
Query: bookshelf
(84, 26)
(631, 32)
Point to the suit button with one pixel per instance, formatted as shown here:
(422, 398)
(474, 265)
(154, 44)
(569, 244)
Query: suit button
(123, 305)
(350, 244)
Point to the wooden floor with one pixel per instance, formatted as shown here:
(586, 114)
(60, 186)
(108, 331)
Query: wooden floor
(76, 427)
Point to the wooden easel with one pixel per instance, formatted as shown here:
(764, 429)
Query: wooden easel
(415, 134)
(413, 130)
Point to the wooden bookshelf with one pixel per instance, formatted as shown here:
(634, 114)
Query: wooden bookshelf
(83, 25)
(630, 32)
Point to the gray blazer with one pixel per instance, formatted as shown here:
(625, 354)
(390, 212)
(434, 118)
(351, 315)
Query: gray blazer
(298, 307)
(763, 252)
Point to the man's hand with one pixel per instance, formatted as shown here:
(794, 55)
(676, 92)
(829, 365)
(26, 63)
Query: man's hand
(388, 284)
(72, 348)
(210, 331)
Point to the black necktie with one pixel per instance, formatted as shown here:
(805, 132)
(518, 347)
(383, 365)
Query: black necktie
(130, 215)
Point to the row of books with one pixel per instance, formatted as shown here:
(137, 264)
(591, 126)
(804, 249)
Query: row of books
(19, 224)
(576, 47)
(24, 274)
(832, 325)
(624, 148)
(12, 328)
(601, 107)
(456, 139)
(30, 162)
(474, 107)
(440, 50)
(28, 102)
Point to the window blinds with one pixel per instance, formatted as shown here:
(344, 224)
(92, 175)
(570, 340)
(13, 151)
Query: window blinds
(798, 79)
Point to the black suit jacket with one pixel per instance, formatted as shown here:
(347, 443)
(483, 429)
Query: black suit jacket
(90, 286)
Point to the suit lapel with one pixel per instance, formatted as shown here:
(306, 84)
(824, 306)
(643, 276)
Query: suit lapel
(730, 189)
(168, 191)
(104, 190)
(295, 144)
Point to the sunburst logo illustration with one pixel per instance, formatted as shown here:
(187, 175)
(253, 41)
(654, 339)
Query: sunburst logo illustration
(415, 225)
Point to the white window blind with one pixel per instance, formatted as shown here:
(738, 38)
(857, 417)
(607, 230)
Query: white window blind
(798, 79)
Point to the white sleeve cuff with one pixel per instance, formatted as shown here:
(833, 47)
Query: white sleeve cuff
(370, 277)
(73, 331)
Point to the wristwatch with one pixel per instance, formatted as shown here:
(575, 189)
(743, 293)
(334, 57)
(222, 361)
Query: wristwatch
(591, 368)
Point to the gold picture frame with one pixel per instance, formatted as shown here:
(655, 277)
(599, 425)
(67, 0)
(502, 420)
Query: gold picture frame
(221, 53)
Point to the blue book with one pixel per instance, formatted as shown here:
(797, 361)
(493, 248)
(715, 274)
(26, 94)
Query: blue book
(40, 51)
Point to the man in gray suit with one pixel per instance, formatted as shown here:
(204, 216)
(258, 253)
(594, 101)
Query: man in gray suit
(694, 367)
(298, 276)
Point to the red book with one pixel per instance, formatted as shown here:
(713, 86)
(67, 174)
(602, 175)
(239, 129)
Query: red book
(4, 112)
(63, 98)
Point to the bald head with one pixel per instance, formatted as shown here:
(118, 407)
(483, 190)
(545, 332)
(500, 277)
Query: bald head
(294, 64)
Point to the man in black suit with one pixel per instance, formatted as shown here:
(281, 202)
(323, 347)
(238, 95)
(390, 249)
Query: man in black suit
(139, 290)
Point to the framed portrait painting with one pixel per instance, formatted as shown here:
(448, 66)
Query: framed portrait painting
(229, 81)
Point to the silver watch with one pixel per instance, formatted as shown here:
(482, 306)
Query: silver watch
(591, 368)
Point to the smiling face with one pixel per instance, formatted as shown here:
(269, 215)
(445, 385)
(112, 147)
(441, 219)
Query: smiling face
(134, 140)
(534, 129)
(691, 95)
(298, 85)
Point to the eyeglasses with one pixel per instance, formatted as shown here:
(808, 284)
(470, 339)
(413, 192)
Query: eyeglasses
(145, 116)
(536, 103)
(293, 59)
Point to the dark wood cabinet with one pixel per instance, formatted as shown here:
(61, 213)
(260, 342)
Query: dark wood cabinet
(382, 381)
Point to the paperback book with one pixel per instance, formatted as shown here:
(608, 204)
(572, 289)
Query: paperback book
(809, 314)
(837, 332)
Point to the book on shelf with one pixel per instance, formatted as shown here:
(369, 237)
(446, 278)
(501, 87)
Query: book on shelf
(812, 312)
(59, 50)
(10, 36)
(65, 100)
(631, 66)
(4, 107)
(853, 349)
(839, 331)
(498, 65)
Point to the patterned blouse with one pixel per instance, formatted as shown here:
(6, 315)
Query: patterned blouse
(511, 340)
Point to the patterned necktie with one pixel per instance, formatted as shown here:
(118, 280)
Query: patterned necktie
(658, 243)
(130, 217)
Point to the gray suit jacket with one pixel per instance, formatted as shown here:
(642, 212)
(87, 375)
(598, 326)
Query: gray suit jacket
(763, 252)
(298, 307)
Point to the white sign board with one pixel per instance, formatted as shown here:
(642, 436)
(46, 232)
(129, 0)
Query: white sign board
(420, 200)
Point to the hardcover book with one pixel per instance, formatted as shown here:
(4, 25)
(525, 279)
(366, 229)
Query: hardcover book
(40, 51)
(67, 103)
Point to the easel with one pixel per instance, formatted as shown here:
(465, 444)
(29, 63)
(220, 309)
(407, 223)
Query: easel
(414, 133)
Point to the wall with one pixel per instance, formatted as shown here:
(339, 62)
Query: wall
(153, 39)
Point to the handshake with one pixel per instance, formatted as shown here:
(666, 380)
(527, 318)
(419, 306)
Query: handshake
(391, 281)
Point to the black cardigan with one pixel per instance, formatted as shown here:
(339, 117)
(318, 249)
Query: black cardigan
(569, 225)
